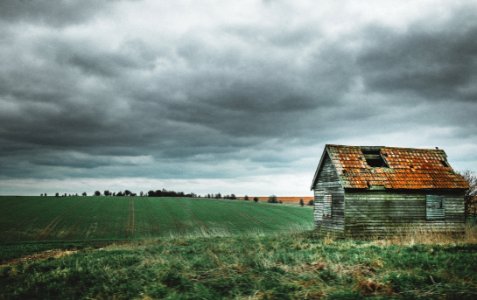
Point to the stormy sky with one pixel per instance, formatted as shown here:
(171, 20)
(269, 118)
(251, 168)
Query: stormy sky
(226, 96)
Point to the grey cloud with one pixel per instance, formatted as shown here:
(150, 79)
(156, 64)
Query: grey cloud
(104, 63)
(85, 161)
(430, 62)
(264, 97)
(52, 12)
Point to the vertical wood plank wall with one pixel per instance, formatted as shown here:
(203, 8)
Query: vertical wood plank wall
(328, 183)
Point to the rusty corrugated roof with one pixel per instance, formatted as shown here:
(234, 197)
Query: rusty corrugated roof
(408, 168)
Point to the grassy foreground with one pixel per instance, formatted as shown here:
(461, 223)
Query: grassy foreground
(43, 219)
(156, 248)
(249, 266)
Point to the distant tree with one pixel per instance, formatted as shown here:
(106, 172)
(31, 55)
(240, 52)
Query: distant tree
(127, 193)
(46, 194)
(119, 194)
(301, 202)
(84, 194)
(97, 193)
(57, 194)
(107, 193)
(245, 198)
(218, 196)
(141, 193)
(471, 178)
(311, 202)
(233, 197)
(272, 199)
(255, 199)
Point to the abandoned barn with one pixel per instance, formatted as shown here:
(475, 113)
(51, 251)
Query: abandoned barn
(380, 191)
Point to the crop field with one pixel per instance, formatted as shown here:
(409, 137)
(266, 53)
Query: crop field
(46, 219)
(170, 248)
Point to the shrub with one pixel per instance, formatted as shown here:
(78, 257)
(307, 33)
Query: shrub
(272, 199)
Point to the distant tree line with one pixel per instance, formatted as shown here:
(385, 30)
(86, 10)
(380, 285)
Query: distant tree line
(220, 196)
(166, 193)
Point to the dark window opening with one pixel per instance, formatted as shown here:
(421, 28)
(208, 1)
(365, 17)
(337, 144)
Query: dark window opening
(374, 159)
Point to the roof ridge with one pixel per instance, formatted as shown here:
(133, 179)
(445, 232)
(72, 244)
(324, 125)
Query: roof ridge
(387, 147)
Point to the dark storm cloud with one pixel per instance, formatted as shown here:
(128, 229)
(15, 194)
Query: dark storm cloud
(221, 102)
(260, 96)
(90, 60)
(425, 60)
(52, 12)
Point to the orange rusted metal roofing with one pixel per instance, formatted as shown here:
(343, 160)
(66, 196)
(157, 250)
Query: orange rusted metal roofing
(410, 169)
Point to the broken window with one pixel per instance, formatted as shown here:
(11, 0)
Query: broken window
(327, 200)
(435, 207)
(374, 159)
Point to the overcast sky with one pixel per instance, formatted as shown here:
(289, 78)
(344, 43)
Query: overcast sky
(226, 96)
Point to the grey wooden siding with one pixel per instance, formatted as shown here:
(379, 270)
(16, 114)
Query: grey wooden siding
(384, 213)
(328, 183)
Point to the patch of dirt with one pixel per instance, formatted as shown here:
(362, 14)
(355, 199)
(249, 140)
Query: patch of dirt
(54, 253)
(369, 286)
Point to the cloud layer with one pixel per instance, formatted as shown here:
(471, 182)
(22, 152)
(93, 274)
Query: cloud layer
(99, 91)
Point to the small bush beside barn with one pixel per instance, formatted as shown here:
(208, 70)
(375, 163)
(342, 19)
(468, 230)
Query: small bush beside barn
(363, 191)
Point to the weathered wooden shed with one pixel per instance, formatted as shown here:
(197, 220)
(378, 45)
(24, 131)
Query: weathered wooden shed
(380, 191)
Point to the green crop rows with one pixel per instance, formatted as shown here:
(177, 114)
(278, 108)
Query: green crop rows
(27, 219)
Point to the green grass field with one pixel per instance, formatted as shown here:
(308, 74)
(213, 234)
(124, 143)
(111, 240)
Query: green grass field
(275, 266)
(46, 219)
(168, 248)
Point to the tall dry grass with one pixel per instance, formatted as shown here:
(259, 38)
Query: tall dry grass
(420, 235)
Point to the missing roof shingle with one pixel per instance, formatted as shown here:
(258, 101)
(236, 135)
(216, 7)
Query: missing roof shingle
(374, 158)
